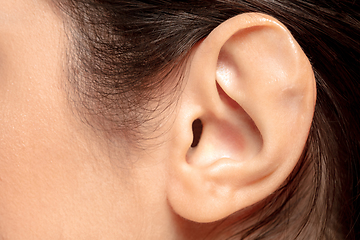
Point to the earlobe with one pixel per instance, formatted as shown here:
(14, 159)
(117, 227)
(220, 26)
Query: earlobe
(253, 89)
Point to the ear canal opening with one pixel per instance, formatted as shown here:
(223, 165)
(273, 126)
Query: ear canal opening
(197, 128)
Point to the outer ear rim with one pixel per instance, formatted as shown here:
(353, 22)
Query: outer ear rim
(190, 189)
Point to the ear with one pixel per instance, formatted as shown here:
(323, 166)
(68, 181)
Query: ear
(252, 89)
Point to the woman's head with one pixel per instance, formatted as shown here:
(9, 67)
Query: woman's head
(172, 118)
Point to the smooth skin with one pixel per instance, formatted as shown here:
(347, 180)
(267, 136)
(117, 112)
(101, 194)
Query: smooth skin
(59, 179)
(56, 182)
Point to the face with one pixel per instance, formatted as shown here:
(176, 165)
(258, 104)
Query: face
(35, 131)
(60, 179)
(54, 183)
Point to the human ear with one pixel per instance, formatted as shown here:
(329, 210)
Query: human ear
(253, 89)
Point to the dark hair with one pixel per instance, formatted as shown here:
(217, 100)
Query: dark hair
(121, 53)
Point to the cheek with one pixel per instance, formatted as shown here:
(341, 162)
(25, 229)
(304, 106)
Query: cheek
(34, 137)
(36, 169)
(47, 181)
(32, 179)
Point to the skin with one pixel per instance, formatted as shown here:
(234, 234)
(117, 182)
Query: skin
(60, 179)
(56, 182)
